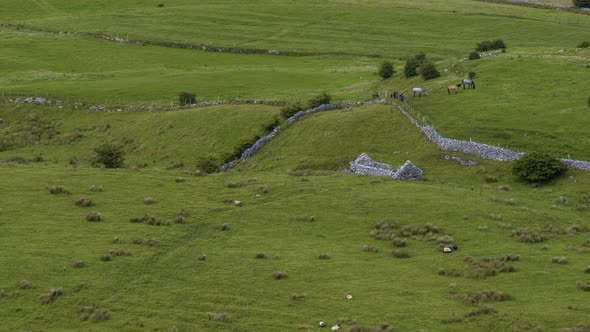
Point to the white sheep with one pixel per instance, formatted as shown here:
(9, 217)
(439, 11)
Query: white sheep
(447, 250)
(336, 327)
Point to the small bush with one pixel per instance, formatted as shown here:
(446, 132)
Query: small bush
(428, 71)
(386, 70)
(160, 5)
(108, 155)
(53, 294)
(471, 74)
(324, 255)
(474, 56)
(106, 258)
(385, 230)
(224, 227)
(291, 109)
(491, 179)
(234, 185)
(261, 255)
(450, 273)
(401, 253)
(484, 310)
(94, 217)
(150, 201)
(179, 180)
(504, 188)
(94, 188)
(57, 190)
(24, 284)
(179, 220)
(537, 167)
(484, 296)
(187, 98)
(209, 164)
(321, 99)
(370, 248)
(585, 44)
(399, 242)
(219, 317)
(93, 314)
(280, 275)
(78, 264)
(84, 202)
(298, 297)
(524, 235)
(582, 3)
(585, 286)
(411, 66)
(559, 260)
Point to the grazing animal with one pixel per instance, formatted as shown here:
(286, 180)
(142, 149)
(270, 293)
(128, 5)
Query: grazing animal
(453, 88)
(336, 327)
(455, 247)
(468, 83)
(419, 91)
(447, 250)
(402, 97)
(322, 324)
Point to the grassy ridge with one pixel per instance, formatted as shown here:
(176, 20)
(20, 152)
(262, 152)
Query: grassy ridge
(394, 28)
(161, 139)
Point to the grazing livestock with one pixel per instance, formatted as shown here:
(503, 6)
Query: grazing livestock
(419, 92)
(468, 84)
(322, 324)
(336, 327)
(402, 97)
(453, 88)
(447, 250)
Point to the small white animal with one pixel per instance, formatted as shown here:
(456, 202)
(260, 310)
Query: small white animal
(447, 250)
(322, 324)
(336, 327)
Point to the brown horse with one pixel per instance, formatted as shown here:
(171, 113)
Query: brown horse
(453, 88)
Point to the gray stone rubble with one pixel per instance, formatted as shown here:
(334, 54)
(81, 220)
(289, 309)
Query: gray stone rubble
(367, 166)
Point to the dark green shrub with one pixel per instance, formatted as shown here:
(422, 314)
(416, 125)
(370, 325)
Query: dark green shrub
(324, 255)
(289, 110)
(474, 56)
(322, 98)
(209, 163)
(585, 44)
(160, 5)
(428, 70)
(411, 67)
(471, 75)
(187, 98)
(109, 155)
(386, 70)
(537, 167)
(490, 45)
(261, 255)
(588, 100)
(56, 190)
(582, 3)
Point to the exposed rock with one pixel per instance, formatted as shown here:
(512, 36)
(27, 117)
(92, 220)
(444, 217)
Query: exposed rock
(408, 171)
(460, 161)
(367, 166)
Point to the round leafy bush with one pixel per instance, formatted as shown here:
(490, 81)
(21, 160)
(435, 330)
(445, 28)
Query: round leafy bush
(471, 75)
(537, 167)
(187, 98)
(429, 71)
(474, 56)
(109, 155)
(386, 70)
(322, 98)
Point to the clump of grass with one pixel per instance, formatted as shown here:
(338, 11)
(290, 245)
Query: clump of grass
(585, 286)
(483, 228)
(106, 258)
(511, 201)
(484, 296)
(280, 275)
(179, 220)
(93, 314)
(582, 207)
(300, 172)
(504, 188)
(324, 255)
(399, 242)
(425, 232)
(84, 202)
(483, 310)
(94, 188)
(179, 179)
(452, 272)
(524, 235)
(79, 286)
(562, 200)
(119, 252)
(491, 179)
(445, 241)
(587, 270)
(401, 253)
(51, 296)
(496, 217)
(182, 212)
(298, 297)
(116, 240)
(384, 230)
(147, 242)
(234, 185)
(24, 284)
(78, 264)
(150, 201)
(202, 257)
(219, 317)
(381, 328)
(559, 260)
(262, 190)
(261, 255)
(94, 217)
(577, 328)
(150, 220)
(489, 266)
(57, 190)
(370, 248)
(453, 319)
(224, 227)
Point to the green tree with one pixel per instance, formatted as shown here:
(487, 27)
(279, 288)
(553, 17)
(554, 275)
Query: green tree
(109, 155)
(322, 98)
(428, 70)
(582, 3)
(187, 98)
(537, 167)
(386, 70)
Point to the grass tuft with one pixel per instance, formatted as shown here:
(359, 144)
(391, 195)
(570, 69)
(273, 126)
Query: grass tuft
(94, 217)
(58, 190)
(280, 275)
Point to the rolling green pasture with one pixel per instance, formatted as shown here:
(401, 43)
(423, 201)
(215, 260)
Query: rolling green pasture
(394, 27)
(99, 71)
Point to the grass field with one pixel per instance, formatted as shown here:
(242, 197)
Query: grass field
(214, 269)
